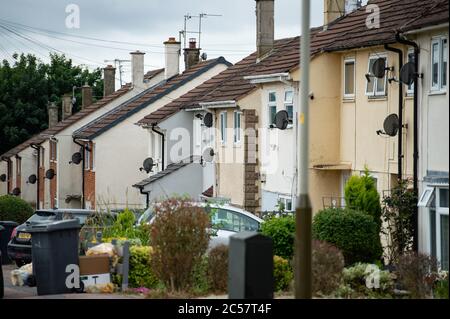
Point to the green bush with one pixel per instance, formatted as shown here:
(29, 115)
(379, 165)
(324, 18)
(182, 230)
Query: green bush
(282, 273)
(15, 209)
(327, 267)
(354, 233)
(124, 227)
(441, 286)
(282, 232)
(218, 268)
(361, 195)
(141, 274)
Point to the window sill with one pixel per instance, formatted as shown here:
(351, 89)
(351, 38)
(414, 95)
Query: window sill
(440, 92)
(237, 145)
(377, 98)
(348, 100)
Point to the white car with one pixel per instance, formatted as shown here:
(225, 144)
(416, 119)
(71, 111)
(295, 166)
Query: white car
(226, 221)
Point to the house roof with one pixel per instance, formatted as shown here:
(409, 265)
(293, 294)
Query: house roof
(351, 31)
(209, 192)
(230, 83)
(151, 74)
(41, 137)
(167, 171)
(146, 98)
(433, 15)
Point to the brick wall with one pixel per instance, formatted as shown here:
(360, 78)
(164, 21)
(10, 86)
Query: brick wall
(251, 173)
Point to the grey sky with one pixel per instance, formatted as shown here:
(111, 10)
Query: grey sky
(149, 22)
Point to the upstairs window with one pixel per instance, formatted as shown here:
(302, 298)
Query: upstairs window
(53, 151)
(289, 104)
(237, 127)
(439, 58)
(223, 127)
(376, 86)
(272, 107)
(349, 78)
(411, 58)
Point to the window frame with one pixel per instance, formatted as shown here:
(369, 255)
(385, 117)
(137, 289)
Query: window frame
(237, 131)
(438, 87)
(375, 93)
(352, 95)
(271, 105)
(87, 158)
(284, 199)
(289, 104)
(410, 88)
(426, 197)
(223, 127)
(439, 212)
(53, 151)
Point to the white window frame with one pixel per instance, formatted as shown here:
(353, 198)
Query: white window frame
(223, 127)
(439, 211)
(237, 132)
(410, 88)
(426, 197)
(271, 104)
(352, 95)
(87, 159)
(93, 156)
(284, 199)
(288, 103)
(375, 92)
(439, 87)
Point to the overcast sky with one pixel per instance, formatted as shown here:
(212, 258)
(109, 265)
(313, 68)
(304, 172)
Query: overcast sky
(140, 22)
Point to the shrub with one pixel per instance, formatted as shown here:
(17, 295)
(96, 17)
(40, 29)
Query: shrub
(14, 209)
(179, 238)
(218, 268)
(282, 273)
(354, 233)
(140, 274)
(416, 273)
(327, 267)
(124, 227)
(200, 281)
(282, 232)
(441, 286)
(361, 195)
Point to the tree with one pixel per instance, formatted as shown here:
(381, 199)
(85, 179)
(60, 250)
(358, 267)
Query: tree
(28, 85)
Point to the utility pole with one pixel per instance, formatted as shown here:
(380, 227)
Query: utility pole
(303, 213)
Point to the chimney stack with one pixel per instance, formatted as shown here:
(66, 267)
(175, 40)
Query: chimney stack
(52, 114)
(191, 54)
(333, 9)
(172, 54)
(137, 69)
(86, 96)
(109, 80)
(66, 106)
(265, 30)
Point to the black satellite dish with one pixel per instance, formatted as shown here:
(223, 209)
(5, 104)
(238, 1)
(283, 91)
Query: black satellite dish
(282, 120)
(50, 174)
(3, 178)
(16, 191)
(408, 73)
(391, 125)
(32, 179)
(148, 164)
(208, 120)
(77, 158)
(379, 68)
(208, 155)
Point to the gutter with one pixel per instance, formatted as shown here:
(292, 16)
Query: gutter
(431, 28)
(218, 105)
(38, 182)
(402, 40)
(83, 146)
(268, 78)
(400, 111)
(162, 146)
(147, 196)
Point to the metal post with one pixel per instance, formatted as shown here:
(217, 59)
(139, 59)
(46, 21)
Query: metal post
(303, 276)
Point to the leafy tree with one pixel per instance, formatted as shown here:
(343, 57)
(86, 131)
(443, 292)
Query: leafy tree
(28, 85)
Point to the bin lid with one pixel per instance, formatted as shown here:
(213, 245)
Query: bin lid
(8, 223)
(55, 226)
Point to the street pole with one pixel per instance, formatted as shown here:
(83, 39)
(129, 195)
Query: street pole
(303, 216)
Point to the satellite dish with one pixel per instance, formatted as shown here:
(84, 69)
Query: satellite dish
(32, 179)
(204, 56)
(282, 120)
(379, 68)
(208, 155)
(16, 191)
(208, 120)
(148, 164)
(77, 158)
(408, 73)
(391, 125)
(50, 174)
(3, 178)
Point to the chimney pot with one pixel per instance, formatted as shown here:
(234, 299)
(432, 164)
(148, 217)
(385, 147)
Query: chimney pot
(265, 29)
(191, 54)
(137, 68)
(109, 80)
(192, 43)
(172, 58)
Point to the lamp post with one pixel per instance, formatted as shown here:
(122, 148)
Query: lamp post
(303, 276)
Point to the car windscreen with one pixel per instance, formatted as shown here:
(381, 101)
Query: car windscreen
(42, 217)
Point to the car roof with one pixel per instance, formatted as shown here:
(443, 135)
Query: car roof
(234, 209)
(67, 210)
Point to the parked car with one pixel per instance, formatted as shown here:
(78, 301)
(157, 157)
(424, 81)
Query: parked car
(19, 247)
(2, 291)
(226, 220)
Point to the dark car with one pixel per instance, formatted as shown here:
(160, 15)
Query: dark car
(19, 247)
(1, 271)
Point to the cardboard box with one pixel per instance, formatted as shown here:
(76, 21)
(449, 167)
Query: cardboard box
(92, 280)
(94, 265)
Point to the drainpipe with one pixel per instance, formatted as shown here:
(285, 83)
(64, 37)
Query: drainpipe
(147, 197)
(162, 145)
(38, 181)
(400, 111)
(83, 146)
(8, 170)
(402, 40)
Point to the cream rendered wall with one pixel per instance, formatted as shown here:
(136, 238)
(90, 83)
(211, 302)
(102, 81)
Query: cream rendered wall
(29, 167)
(120, 151)
(46, 200)
(230, 168)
